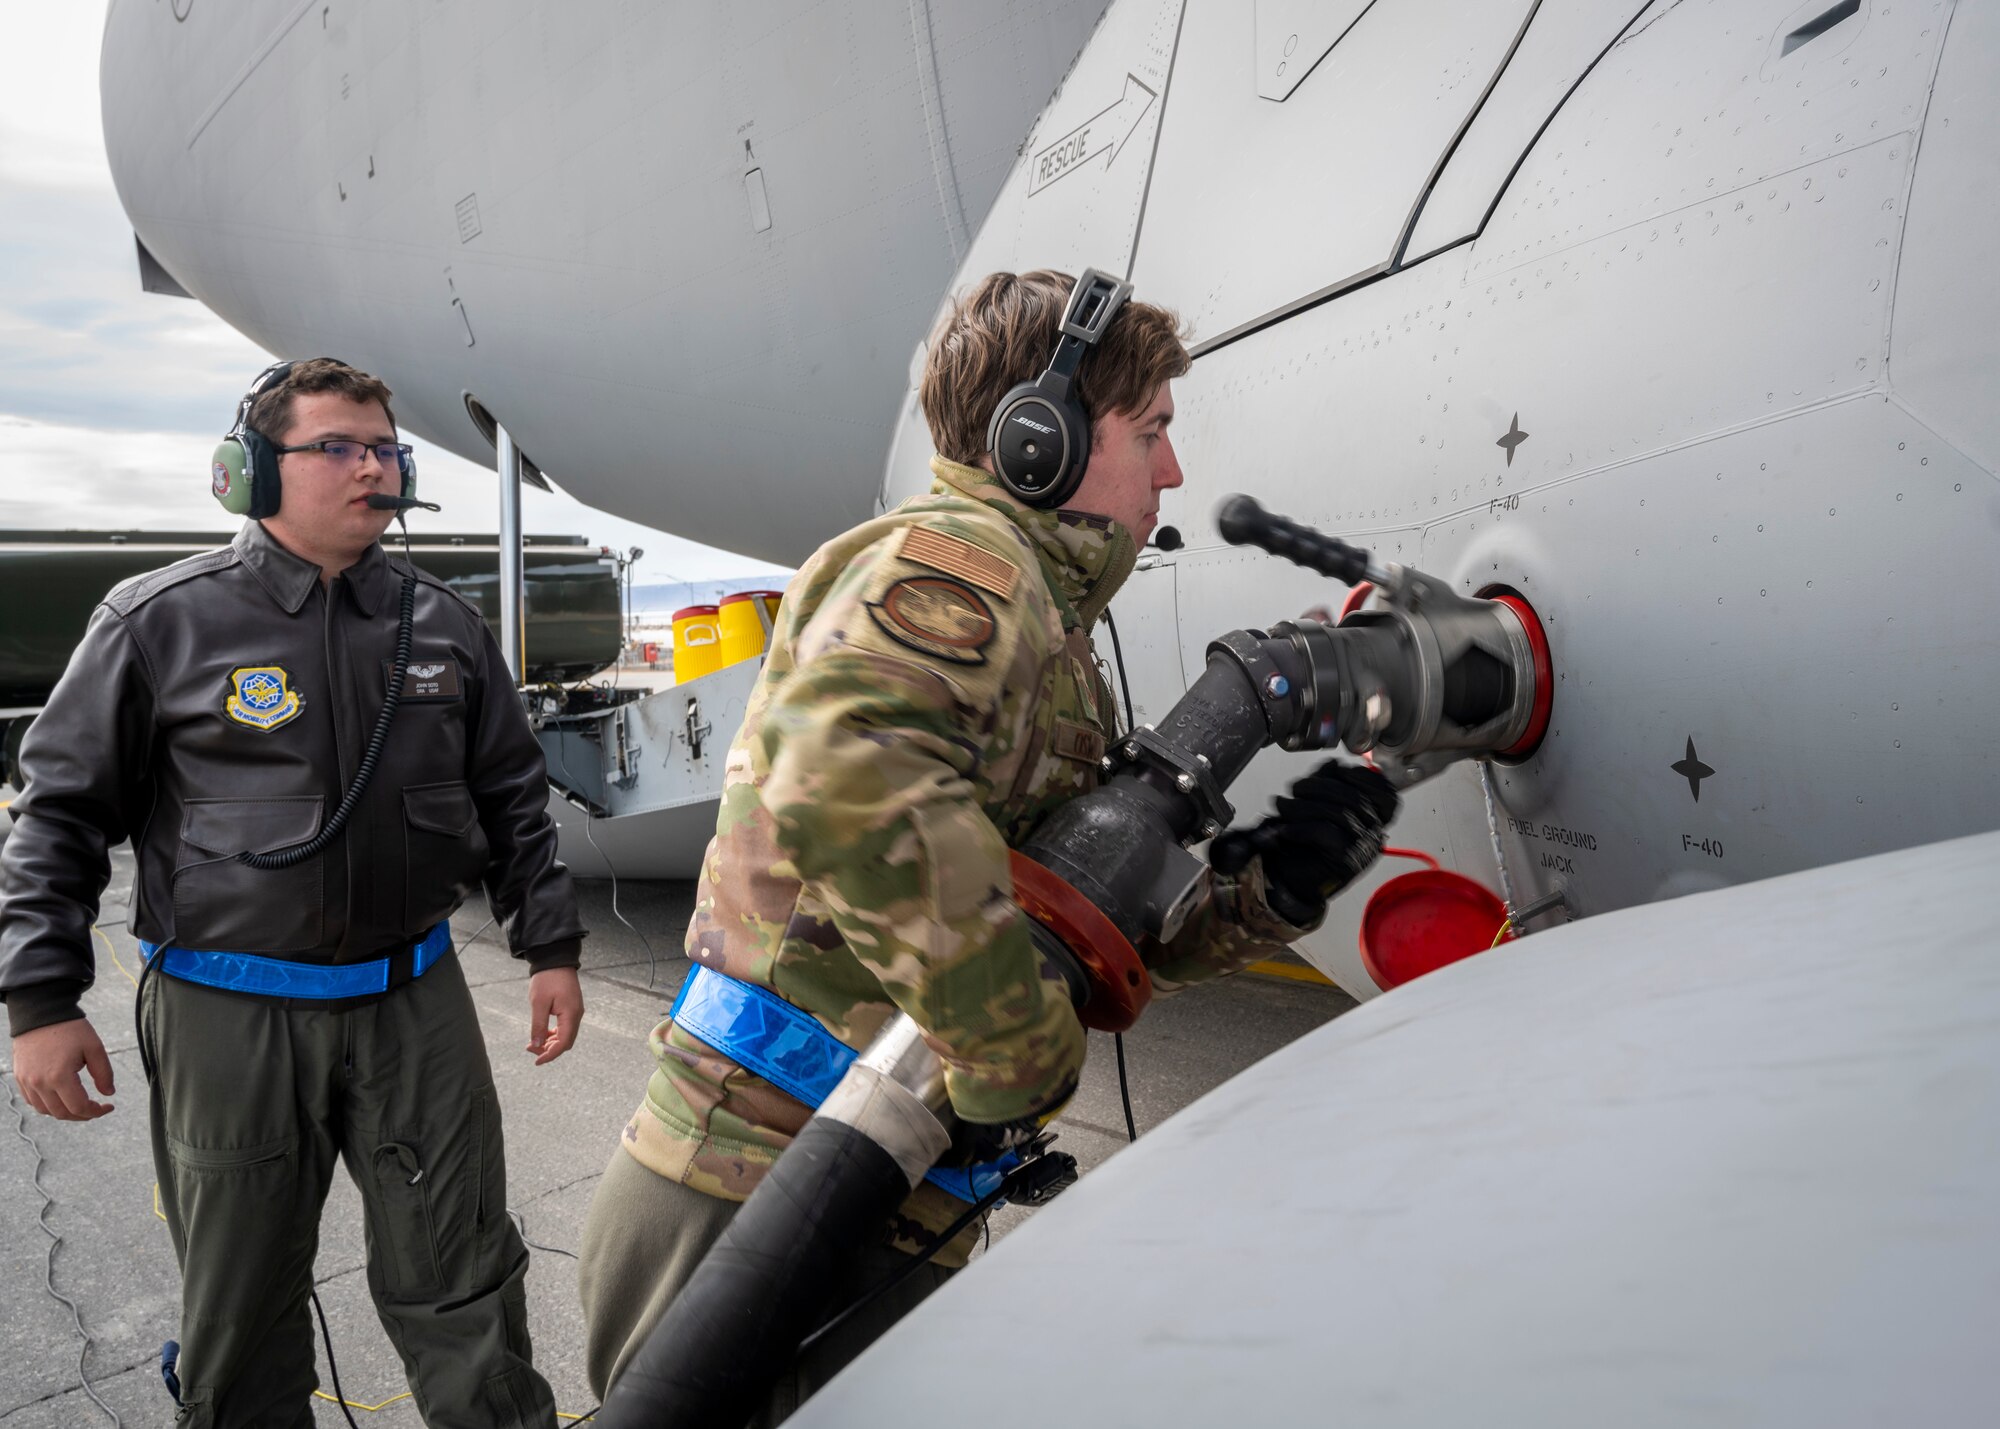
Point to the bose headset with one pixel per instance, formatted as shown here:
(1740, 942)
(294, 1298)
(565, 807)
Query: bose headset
(243, 474)
(1040, 434)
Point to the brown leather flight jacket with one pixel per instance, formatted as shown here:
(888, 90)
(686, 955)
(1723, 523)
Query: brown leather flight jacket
(220, 705)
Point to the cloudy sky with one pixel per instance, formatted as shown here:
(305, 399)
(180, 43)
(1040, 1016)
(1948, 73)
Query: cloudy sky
(111, 399)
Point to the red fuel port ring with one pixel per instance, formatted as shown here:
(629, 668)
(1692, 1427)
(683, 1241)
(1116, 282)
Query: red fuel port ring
(1120, 987)
(1545, 674)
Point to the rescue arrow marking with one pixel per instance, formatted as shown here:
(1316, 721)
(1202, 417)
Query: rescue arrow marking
(1109, 128)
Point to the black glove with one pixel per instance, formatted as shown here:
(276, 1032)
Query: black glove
(973, 1142)
(1319, 841)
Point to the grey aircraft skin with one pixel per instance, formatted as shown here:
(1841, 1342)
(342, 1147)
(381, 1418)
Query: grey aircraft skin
(1677, 318)
(1672, 317)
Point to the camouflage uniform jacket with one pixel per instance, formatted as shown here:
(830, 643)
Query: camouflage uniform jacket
(930, 695)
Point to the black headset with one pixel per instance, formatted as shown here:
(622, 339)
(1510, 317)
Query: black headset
(1040, 434)
(243, 473)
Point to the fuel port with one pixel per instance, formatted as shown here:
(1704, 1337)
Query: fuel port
(1544, 671)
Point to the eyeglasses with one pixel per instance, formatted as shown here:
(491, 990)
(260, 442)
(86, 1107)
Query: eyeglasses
(392, 455)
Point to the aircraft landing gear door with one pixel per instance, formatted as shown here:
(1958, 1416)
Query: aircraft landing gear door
(1148, 619)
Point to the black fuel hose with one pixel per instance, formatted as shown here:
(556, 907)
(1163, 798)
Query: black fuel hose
(767, 1283)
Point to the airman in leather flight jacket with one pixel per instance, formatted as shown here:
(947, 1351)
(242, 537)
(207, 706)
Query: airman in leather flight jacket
(220, 705)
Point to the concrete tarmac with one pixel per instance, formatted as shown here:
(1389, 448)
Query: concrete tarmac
(562, 1122)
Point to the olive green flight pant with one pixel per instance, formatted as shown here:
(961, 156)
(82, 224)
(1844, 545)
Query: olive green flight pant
(251, 1103)
(642, 1239)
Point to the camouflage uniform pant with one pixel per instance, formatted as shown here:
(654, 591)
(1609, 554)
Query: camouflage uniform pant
(252, 1104)
(642, 1239)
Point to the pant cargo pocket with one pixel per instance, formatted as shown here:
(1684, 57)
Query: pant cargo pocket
(516, 1399)
(408, 1239)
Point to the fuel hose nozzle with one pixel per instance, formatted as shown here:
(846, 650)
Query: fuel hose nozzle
(1428, 677)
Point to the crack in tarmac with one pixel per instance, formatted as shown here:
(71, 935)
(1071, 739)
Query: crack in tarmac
(98, 1381)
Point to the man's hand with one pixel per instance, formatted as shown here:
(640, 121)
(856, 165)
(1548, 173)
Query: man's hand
(553, 993)
(1319, 841)
(47, 1062)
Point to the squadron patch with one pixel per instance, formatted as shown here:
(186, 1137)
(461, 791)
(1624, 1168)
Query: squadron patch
(261, 697)
(219, 480)
(937, 616)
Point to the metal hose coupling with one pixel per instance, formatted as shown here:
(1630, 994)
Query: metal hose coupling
(1427, 678)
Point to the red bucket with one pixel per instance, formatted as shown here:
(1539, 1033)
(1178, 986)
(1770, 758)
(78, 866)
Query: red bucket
(1418, 922)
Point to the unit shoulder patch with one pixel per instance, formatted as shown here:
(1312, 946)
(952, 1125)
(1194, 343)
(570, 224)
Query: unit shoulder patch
(956, 556)
(261, 697)
(938, 616)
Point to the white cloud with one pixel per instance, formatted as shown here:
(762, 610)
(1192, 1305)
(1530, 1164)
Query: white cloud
(51, 128)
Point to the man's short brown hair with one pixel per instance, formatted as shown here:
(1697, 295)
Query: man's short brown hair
(271, 413)
(1003, 332)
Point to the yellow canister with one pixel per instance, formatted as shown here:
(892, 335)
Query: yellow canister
(747, 619)
(697, 643)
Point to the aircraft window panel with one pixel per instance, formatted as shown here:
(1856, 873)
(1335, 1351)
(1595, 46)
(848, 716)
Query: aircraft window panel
(1563, 40)
(1295, 35)
(1259, 206)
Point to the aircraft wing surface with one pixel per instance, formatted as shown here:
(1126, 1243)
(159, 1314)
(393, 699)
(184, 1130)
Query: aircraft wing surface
(1733, 1158)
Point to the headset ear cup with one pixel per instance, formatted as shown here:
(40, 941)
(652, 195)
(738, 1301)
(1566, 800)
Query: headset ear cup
(266, 486)
(1040, 443)
(229, 479)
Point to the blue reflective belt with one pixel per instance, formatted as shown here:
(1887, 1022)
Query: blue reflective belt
(274, 977)
(759, 1030)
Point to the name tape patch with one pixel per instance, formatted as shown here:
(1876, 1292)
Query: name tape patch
(426, 679)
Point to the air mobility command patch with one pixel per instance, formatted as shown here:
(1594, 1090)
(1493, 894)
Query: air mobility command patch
(261, 697)
(937, 616)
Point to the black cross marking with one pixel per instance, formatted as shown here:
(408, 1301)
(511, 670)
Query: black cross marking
(1515, 436)
(1692, 770)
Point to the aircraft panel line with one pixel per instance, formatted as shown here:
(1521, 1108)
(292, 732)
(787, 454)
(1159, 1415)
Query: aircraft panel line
(1152, 159)
(1396, 264)
(1451, 148)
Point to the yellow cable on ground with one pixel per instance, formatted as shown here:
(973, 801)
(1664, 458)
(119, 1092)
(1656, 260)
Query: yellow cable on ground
(1295, 971)
(355, 1404)
(112, 949)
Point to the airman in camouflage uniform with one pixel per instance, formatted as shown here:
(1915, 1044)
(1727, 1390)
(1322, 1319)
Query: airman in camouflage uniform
(930, 695)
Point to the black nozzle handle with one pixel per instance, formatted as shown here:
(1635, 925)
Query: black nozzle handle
(1244, 522)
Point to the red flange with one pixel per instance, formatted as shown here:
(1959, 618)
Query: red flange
(1119, 985)
(1356, 598)
(1545, 676)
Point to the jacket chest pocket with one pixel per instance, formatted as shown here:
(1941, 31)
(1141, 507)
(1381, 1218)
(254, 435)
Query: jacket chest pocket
(445, 851)
(223, 905)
